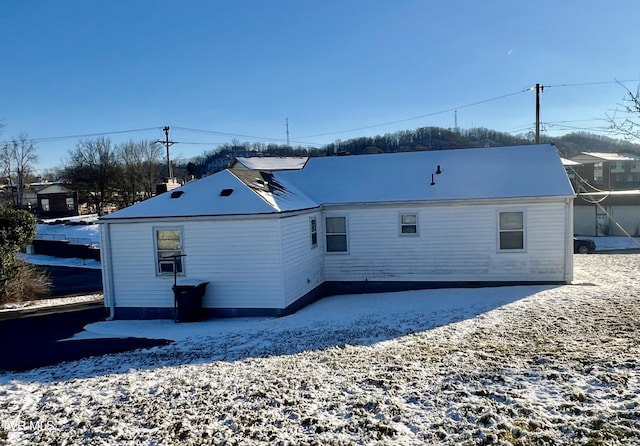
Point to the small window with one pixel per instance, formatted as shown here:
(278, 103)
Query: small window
(169, 250)
(336, 233)
(511, 230)
(408, 224)
(70, 203)
(45, 205)
(314, 232)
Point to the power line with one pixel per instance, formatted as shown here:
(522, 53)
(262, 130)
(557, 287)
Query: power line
(448, 110)
(587, 84)
(86, 135)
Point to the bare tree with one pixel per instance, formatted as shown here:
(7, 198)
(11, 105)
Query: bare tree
(17, 160)
(627, 126)
(140, 162)
(93, 169)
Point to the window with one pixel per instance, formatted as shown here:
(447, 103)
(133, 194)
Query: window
(70, 204)
(408, 224)
(169, 248)
(45, 205)
(511, 230)
(336, 233)
(314, 232)
(598, 171)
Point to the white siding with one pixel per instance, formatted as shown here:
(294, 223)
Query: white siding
(585, 220)
(241, 260)
(455, 243)
(302, 265)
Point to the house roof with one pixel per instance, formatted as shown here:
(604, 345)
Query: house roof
(270, 163)
(597, 157)
(53, 188)
(223, 193)
(466, 174)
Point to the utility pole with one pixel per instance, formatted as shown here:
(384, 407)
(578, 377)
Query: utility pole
(168, 144)
(539, 89)
(287, 124)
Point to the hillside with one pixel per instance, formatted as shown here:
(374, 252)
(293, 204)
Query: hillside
(425, 138)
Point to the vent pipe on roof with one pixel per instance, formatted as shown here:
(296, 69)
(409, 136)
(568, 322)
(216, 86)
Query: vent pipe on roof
(226, 192)
(177, 193)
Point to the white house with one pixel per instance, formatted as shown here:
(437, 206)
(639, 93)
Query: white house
(269, 243)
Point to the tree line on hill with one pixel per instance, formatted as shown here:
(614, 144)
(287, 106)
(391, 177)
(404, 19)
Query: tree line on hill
(425, 138)
(110, 176)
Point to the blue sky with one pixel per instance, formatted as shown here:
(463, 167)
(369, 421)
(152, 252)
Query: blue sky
(239, 69)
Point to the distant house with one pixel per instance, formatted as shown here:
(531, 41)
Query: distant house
(607, 213)
(606, 171)
(57, 201)
(270, 163)
(270, 242)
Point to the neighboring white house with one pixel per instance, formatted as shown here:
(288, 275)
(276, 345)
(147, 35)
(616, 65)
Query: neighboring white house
(269, 243)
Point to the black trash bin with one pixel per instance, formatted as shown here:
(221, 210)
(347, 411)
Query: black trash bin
(188, 301)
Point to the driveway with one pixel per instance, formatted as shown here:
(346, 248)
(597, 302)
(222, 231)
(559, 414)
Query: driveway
(32, 339)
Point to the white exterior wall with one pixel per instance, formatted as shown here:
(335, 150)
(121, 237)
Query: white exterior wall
(302, 262)
(585, 220)
(455, 243)
(240, 258)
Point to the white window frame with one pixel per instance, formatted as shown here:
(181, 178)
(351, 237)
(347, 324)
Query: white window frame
(70, 203)
(403, 224)
(44, 202)
(328, 234)
(313, 231)
(159, 261)
(522, 230)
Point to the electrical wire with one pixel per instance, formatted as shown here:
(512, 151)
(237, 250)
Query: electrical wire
(86, 135)
(419, 117)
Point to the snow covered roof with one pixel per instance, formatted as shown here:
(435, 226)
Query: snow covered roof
(597, 157)
(271, 163)
(569, 163)
(223, 193)
(466, 174)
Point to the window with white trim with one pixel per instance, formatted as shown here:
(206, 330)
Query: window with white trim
(313, 227)
(168, 250)
(336, 234)
(45, 205)
(408, 224)
(511, 230)
(71, 205)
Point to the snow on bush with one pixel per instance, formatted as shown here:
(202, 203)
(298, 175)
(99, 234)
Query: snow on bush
(559, 366)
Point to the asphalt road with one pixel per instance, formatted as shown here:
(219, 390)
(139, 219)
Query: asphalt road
(67, 280)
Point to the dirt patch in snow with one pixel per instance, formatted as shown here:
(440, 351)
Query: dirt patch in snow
(558, 367)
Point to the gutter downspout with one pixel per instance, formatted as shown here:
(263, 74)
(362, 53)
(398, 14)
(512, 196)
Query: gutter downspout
(107, 270)
(568, 250)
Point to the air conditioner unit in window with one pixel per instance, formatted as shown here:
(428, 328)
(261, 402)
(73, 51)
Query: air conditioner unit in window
(167, 266)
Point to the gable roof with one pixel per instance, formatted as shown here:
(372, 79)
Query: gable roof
(466, 174)
(53, 188)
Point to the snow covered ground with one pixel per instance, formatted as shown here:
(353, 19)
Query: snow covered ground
(512, 365)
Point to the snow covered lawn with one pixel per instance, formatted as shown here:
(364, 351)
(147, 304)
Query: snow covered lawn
(520, 366)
